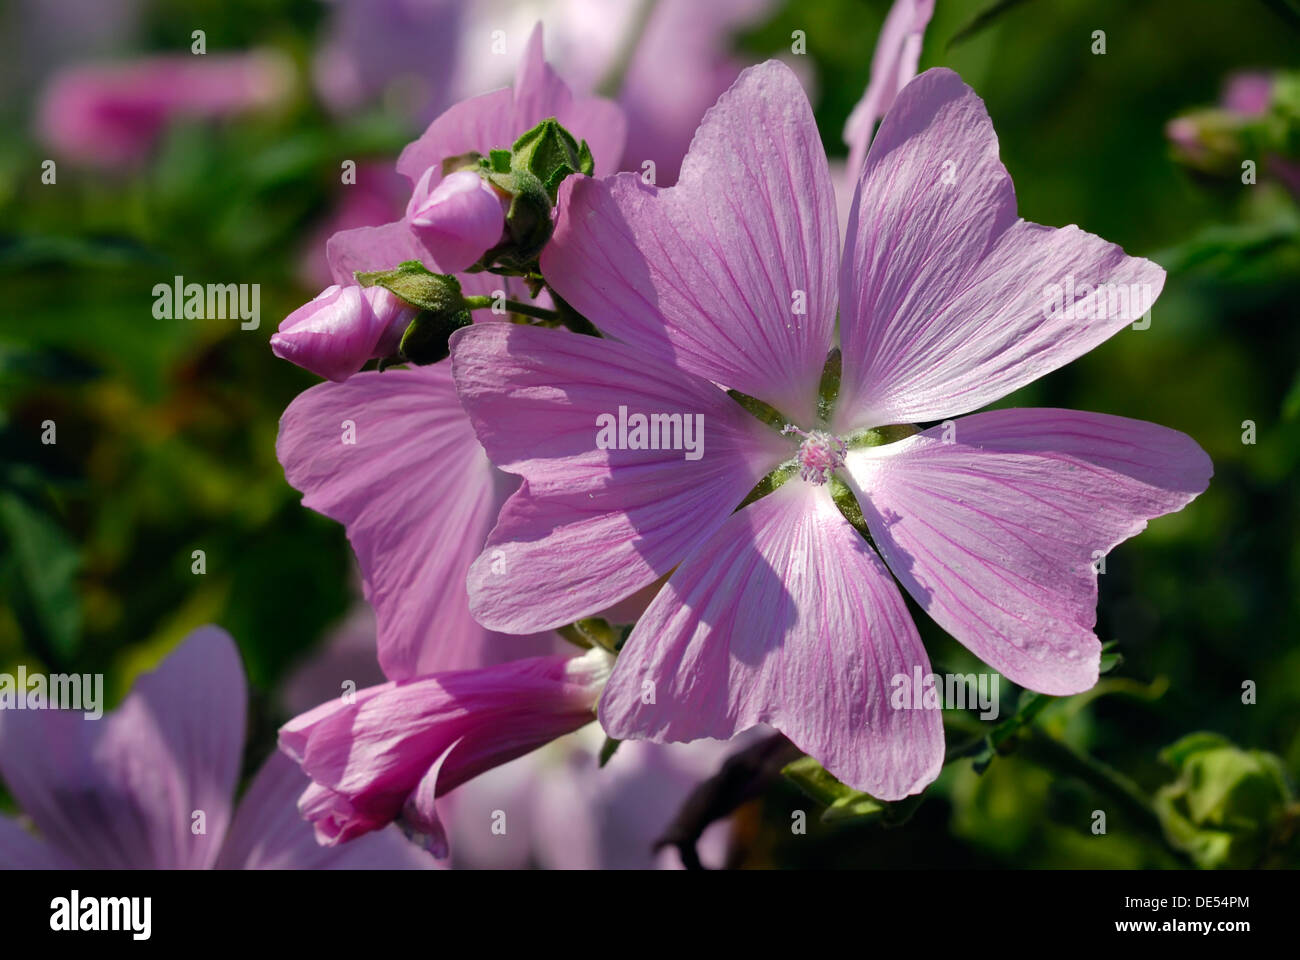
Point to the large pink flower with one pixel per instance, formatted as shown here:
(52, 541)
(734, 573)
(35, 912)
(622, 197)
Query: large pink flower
(780, 611)
(126, 791)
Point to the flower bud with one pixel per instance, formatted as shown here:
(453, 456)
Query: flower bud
(389, 753)
(335, 334)
(458, 220)
(1229, 807)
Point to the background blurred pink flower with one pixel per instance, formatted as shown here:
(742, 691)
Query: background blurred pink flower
(683, 61)
(563, 811)
(125, 790)
(401, 49)
(111, 114)
(893, 65)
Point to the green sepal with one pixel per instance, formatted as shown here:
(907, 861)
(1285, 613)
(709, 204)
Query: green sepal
(425, 339)
(1110, 657)
(607, 750)
(442, 308)
(593, 632)
(1003, 737)
(549, 153)
(415, 283)
(464, 161)
(842, 803)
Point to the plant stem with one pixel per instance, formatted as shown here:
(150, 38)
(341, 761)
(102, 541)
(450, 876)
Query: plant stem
(1059, 757)
(514, 306)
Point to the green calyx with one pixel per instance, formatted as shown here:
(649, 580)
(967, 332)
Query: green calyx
(879, 436)
(530, 173)
(442, 309)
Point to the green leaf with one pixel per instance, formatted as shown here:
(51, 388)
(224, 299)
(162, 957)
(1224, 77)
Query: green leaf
(47, 563)
(607, 750)
(982, 21)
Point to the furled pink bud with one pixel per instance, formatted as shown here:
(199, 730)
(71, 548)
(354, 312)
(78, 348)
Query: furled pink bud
(387, 754)
(458, 220)
(335, 334)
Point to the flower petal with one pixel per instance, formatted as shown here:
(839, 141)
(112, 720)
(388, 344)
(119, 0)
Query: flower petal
(495, 120)
(368, 756)
(944, 291)
(122, 791)
(268, 833)
(20, 850)
(382, 248)
(729, 274)
(893, 65)
(785, 616)
(995, 534)
(591, 526)
(417, 495)
(540, 93)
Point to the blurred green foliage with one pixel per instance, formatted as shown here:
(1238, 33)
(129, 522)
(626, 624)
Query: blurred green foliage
(166, 428)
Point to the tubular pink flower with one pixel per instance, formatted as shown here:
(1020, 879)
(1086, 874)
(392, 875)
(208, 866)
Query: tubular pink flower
(390, 752)
(457, 220)
(343, 327)
(777, 610)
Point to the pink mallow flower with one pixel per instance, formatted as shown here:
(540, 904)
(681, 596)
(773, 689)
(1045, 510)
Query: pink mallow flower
(415, 490)
(387, 752)
(342, 328)
(111, 114)
(780, 611)
(151, 784)
(457, 220)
